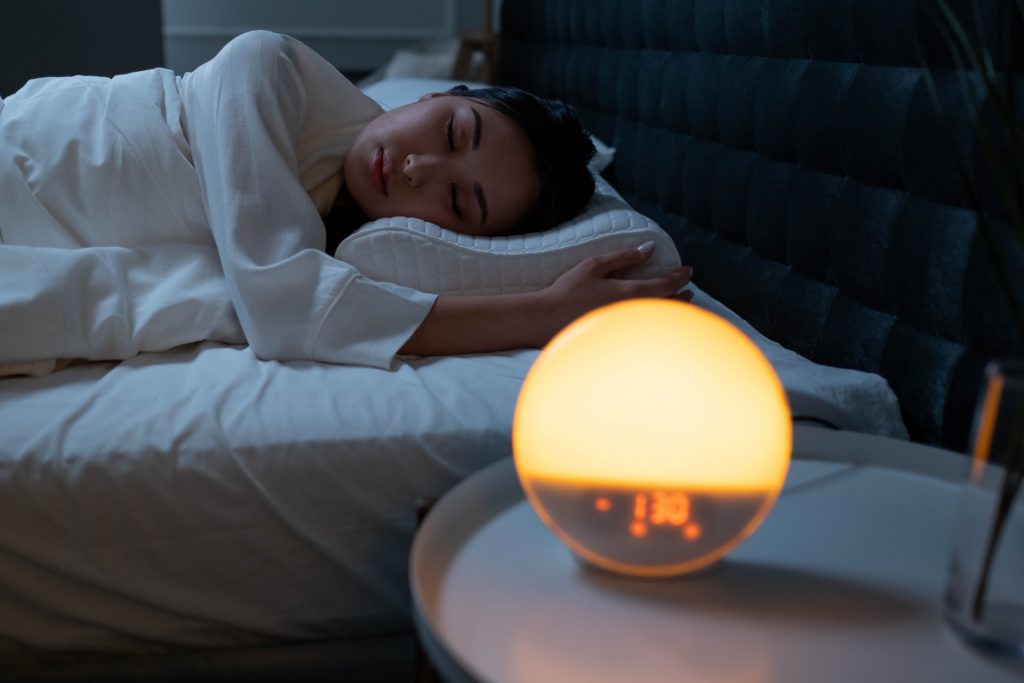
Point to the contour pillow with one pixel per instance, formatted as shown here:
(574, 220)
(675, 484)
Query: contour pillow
(424, 256)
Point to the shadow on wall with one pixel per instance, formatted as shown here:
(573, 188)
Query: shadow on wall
(68, 37)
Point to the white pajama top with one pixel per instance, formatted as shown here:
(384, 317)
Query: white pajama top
(148, 210)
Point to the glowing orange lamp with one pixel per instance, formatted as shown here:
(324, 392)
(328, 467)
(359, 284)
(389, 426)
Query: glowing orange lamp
(652, 437)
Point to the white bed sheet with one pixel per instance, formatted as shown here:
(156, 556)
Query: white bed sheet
(201, 498)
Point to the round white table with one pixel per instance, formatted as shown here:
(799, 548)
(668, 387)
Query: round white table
(842, 582)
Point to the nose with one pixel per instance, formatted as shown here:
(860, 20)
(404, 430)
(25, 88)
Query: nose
(418, 169)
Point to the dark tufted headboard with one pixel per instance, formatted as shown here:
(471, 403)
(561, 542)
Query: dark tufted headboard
(791, 150)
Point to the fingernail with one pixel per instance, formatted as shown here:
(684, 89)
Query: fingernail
(646, 247)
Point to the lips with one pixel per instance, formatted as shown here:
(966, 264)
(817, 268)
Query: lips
(379, 171)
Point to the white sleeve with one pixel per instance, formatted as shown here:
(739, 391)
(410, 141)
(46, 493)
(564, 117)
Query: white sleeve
(246, 111)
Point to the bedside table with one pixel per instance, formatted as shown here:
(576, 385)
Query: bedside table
(842, 582)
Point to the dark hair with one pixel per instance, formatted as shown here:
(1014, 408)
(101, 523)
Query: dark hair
(561, 147)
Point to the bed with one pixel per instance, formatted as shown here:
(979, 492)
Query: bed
(200, 514)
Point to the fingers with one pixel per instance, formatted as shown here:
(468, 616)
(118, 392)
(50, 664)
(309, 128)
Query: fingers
(622, 259)
(607, 266)
(666, 285)
(686, 297)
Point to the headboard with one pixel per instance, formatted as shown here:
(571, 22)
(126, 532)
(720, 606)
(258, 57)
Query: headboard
(791, 150)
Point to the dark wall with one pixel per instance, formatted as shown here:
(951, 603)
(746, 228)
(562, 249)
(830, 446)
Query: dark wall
(68, 37)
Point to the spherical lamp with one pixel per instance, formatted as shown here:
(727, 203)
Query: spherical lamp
(652, 437)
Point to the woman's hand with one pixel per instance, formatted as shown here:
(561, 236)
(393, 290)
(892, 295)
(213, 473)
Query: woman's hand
(481, 324)
(595, 282)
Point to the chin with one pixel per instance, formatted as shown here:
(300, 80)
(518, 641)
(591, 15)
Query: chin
(361, 195)
(374, 209)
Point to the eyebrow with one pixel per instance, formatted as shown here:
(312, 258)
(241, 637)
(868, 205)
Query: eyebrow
(477, 190)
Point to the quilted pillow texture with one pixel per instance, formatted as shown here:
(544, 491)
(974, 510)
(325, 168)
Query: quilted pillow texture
(424, 256)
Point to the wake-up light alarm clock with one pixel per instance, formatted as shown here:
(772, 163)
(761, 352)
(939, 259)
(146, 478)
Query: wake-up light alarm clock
(652, 437)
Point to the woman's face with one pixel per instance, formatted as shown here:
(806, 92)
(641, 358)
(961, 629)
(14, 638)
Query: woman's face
(448, 160)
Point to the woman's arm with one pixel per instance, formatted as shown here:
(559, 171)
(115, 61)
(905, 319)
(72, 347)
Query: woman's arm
(481, 324)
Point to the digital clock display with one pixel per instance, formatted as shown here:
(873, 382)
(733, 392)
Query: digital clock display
(655, 527)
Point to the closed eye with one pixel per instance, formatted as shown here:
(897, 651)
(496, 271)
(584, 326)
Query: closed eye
(455, 202)
(449, 131)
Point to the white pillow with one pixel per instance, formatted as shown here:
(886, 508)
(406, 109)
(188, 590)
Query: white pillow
(396, 92)
(424, 256)
(603, 156)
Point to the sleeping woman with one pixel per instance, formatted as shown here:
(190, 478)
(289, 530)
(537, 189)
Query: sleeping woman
(149, 210)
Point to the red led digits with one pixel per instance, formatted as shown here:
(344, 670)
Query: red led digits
(659, 508)
(639, 527)
(669, 507)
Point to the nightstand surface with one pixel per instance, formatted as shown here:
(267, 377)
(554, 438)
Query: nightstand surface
(842, 582)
